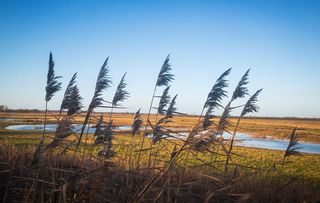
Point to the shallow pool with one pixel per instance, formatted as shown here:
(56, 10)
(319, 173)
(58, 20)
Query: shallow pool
(240, 140)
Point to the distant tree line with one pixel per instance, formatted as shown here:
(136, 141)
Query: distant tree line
(4, 108)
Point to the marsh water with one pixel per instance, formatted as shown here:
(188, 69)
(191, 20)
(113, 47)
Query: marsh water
(242, 139)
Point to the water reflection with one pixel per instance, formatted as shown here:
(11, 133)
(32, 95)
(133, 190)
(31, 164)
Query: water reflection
(241, 138)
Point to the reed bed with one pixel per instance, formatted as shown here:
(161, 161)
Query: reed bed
(148, 166)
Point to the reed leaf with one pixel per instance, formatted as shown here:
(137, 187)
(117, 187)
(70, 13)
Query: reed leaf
(137, 123)
(171, 108)
(165, 76)
(52, 81)
(121, 94)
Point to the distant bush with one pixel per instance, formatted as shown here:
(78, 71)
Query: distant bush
(3, 108)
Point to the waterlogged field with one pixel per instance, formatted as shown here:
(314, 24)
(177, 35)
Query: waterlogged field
(138, 166)
(250, 159)
(278, 128)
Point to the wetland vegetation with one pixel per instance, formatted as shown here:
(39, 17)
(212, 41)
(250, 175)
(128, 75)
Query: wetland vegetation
(144, 163)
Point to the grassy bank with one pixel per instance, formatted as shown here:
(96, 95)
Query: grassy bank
(252, 178)
(306, 166)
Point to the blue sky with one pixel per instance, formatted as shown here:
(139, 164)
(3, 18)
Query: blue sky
(278, 40)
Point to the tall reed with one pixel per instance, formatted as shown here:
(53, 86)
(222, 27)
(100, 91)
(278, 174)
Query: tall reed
(103, 82)
(52, 87)
(63, 179)
(293, 147)
(163, 79)
(120, 95)
(239, 92)
(249, 107)
(67, 94)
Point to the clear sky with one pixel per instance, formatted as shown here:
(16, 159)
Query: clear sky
(278, 40)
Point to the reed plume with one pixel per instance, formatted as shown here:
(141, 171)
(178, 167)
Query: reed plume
(217, 93)
(63, 131)
(172, 108)
(207, 122)
(65, 128)
(163, 79)
(165, 76)
(239, 92)
(135, 129)
(98, 133)
(202, 144)
(241, 89)
(137, 123)
(121, 94)
(292, 149)
(223, 121)
(67, 94)
(53, 85)
(213, 101)
(249, 107)
(164, 101)
(106, 139)
(159, 130)
(102, 83)
(75, 104)
(99, 127)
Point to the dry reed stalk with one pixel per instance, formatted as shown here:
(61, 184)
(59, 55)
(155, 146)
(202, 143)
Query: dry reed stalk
(249, 107)
(102, 83)
(164, 78)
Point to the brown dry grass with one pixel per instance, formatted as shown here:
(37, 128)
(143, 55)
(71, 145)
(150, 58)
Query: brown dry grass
(251, 177)
(112, 182)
